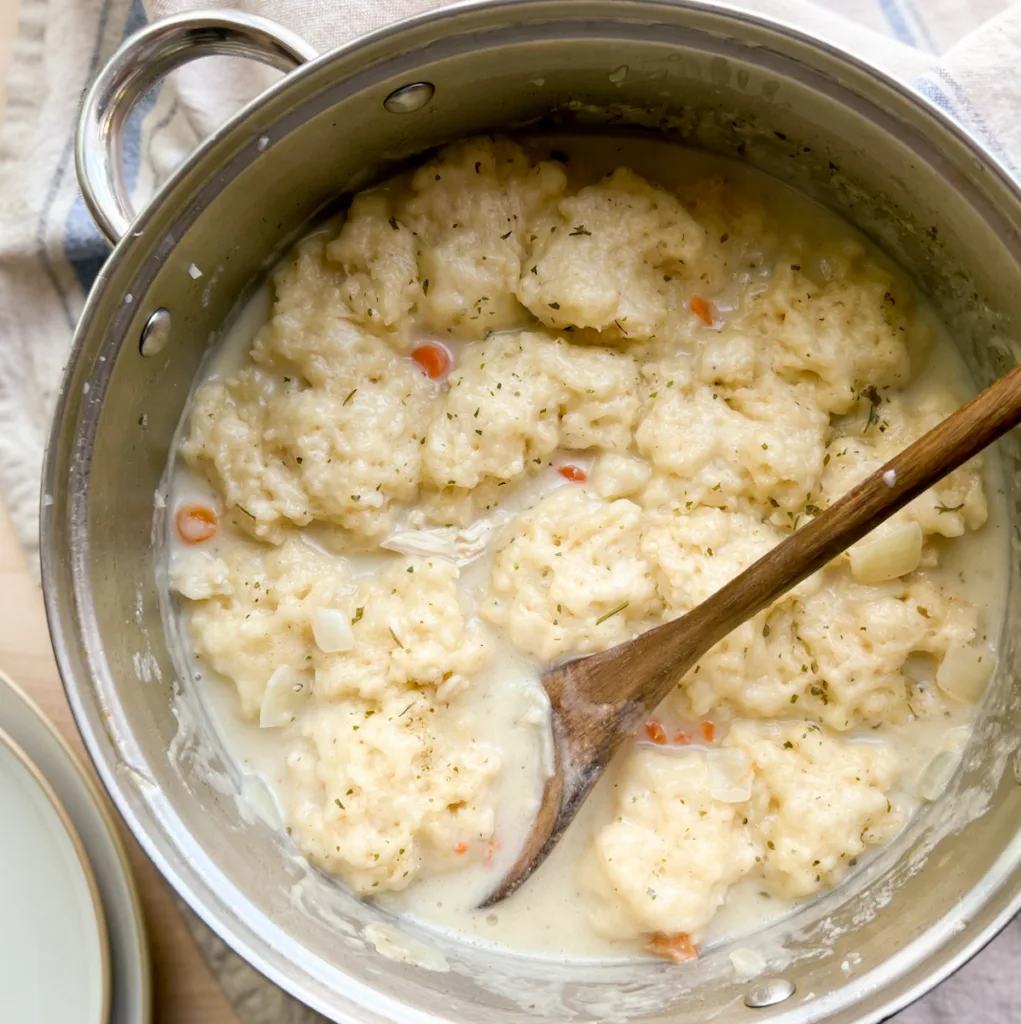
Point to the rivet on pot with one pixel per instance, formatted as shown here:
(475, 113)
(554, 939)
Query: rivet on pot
(155, 333)
(769, 993)
(409, 98)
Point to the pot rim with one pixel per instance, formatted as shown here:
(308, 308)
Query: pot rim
(61, 541)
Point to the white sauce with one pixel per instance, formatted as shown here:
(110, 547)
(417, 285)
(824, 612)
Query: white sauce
(550, 915)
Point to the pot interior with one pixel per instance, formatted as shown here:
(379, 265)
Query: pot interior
(718, 81)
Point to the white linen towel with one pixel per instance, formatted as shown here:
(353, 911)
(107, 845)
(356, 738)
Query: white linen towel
(964, 55)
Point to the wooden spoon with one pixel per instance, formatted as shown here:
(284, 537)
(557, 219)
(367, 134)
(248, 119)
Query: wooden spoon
(598, 701)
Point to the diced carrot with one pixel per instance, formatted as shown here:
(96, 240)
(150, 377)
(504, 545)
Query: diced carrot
(655, 731)
(682, 739)
(491, 847)
(702, 310)
(677, 947)
(434, 359)
(461, 847)
(709, 731)
(196, 523)
(575, 473)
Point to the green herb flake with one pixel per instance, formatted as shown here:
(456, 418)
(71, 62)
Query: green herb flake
(610, 614)
(874, 402)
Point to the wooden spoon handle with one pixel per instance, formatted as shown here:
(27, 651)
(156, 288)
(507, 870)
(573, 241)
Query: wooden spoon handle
(943, 449)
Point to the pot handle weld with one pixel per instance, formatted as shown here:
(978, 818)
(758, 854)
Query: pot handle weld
(136, 67)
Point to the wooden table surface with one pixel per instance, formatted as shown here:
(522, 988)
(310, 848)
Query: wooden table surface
(185, 992)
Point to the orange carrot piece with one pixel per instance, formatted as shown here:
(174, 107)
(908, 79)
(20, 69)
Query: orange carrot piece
(491, 847)
(196, 523)
(573, 473)
(709, 731)
(434, 359)
(682, 739)
(677, 947)
(655, 731)
(461, 847)
(702, 310)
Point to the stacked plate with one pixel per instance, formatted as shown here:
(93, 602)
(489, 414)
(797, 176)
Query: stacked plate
(72, 942)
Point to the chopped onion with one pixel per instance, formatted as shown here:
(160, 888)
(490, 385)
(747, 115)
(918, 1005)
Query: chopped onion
(454, 684)
(536, 715)
(965, 672)
(894, 552)
(332, 631)
(284, 699)
(258, 796)
(938, 774)
(956, 737)
(617, 476)
(747, 963)
(730, 775)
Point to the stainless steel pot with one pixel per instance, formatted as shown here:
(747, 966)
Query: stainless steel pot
(795, 108)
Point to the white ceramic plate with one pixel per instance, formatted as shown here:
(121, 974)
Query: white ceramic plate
(93, 820)
(52, 912)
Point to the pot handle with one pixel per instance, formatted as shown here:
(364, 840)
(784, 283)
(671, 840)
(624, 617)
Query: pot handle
(143, 60)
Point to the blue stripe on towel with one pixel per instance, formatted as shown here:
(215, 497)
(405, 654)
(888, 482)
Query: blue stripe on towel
(898, 23)
(932, 92)
(65, 164)
(922, 26)
(963, 112)
(85, 248)
(906, 24)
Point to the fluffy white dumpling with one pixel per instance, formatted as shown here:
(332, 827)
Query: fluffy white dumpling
(820, 801)
(604, 261)
(569, 576)
(665, 862)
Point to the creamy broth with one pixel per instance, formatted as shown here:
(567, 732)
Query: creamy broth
(505, 706)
